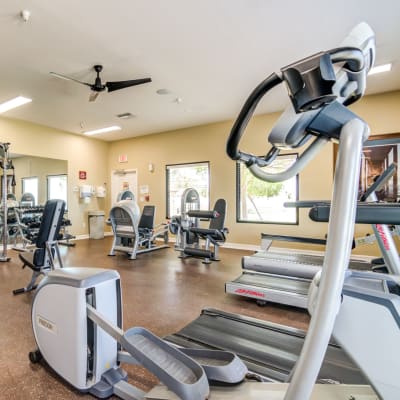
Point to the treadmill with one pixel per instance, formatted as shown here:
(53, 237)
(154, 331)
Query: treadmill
(271, 350)
(285, 278)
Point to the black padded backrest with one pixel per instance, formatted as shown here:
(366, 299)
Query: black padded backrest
(220, 208)
(52, 216)
(147, 217)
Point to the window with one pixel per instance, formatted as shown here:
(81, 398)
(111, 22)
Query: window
(31, 185)
(57, 187)
(262, 202)
(183, 176)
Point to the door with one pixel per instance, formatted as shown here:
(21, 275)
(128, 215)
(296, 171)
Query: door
(123, 179)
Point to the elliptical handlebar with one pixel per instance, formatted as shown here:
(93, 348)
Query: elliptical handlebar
(313, 84)
(308, 154)
(232, 146)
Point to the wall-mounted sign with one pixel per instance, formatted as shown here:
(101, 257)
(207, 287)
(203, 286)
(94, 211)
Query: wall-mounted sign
(122, 158)
(82, 174)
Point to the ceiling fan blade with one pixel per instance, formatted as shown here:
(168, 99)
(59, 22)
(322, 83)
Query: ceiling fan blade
(111, 86)
(93, 95)
(67, 78)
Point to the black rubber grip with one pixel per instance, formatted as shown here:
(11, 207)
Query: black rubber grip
(198, 252)
(297, 239)
(203, 214)
(388, 214)
(232, 146)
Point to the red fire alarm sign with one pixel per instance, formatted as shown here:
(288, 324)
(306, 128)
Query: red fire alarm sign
(82, 174)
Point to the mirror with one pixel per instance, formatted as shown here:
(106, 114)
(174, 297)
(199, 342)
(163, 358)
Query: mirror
(43, 177)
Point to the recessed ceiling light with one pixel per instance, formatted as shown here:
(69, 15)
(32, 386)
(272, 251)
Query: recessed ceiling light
(163, 91)
(126, 115)
(380, 68)
(103, 130)
(13, 103)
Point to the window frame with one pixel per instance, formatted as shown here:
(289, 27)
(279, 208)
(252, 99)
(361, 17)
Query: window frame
(167, 181)
(264, 222)
(48, 187)
(24, 191)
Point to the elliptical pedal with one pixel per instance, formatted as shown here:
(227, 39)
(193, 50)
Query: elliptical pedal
(180, 373)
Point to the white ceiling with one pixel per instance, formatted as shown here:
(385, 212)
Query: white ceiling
(210, 53)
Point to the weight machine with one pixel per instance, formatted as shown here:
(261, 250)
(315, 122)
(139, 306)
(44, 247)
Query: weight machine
(189, 233)
(135, 233)
(6, 164)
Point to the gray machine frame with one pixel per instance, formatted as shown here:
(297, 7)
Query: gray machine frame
(180, 224)
(129, 236)
(285, 278)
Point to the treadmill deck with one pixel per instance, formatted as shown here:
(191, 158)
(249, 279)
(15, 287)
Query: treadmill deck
(268, 349)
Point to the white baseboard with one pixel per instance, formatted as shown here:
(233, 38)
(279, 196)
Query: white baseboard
(86, 236)
(241, 246)
(254, 247)
(81, 237)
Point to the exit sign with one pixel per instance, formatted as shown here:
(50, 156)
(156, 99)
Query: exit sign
(123, 158)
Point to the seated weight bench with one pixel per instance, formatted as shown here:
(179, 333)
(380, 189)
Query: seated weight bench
(214, 235)
(41, 259)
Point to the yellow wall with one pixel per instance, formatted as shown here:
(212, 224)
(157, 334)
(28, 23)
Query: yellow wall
(207, 143)
(200, 143)
(80, 152)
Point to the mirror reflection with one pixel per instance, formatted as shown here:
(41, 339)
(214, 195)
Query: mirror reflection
(36, 180)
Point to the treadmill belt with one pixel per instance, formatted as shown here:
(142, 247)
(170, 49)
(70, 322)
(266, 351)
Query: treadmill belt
(274, 282)
(294, 264)
(268, 349)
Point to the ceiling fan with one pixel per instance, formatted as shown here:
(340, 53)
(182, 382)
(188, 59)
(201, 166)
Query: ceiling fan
(98, 86)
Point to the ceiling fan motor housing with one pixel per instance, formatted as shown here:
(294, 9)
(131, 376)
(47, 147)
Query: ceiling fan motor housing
(98, 86)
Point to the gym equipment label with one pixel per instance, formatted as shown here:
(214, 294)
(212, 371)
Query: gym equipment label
(48, 325)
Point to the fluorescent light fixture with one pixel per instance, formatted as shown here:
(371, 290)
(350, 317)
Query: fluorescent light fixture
(13, 103)
(103, 130)
(380, 68)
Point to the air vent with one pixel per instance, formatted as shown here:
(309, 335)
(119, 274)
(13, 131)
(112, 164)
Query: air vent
(126, 115)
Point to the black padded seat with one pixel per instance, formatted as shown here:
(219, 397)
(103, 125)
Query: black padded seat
(216, 230)
(33, 260)
(216, 234)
